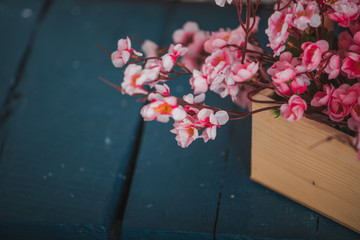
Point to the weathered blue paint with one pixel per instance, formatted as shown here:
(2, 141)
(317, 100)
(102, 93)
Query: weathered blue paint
(330, 230)
(17, 24)
(70, 137)
(250, 210)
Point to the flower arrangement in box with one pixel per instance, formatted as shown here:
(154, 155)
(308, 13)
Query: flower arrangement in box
(311, 71)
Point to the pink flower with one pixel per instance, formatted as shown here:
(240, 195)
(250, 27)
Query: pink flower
(278, 30)
(294, 109)
(351, 65)
(306, 16)
(122, 55)
(199, 82)
(216, 64)
(170, 58)
(312, 55)
(343, 11)
(190, 99)
(282, 71)
(194, 57)
(353, 99)
(352, 95)
(162, 109)
(333, 67)
(217, 41)
(185, 36)
(149, 48)
(134, 79)
(210, 121)
(337, 109)
(185, 131)
(354, 26)
(163, 90)
(345, 40)
(244, 72)
(323, 98)
(355, 110)
(297, 86)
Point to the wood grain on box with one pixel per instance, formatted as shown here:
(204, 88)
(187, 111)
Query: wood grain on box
(294, 159)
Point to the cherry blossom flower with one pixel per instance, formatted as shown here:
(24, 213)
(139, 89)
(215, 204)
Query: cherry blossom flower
(352, 95)
(355, 47)
(337, 109)
(296, 86)
(343, 11)
(282, 71)
(194, 57)
(345, 40)
(199, 82)
(323, 98)
(170, 58)
(185, 36)
(333, 67)
(217, 63)
(355, 108)
(351, 65)
(161, 110)
(354, 26)
(122, 55)
(149, 48)
(294, 109)
(225, 85)
(186, 132)
(163, 90)
(278, 30)
(134, 79)
(312, 55)
(191, 99)
(210, 121)
(218, 40)
(243, 72)
(306, 16)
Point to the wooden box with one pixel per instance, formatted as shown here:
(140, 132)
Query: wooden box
(294, 159)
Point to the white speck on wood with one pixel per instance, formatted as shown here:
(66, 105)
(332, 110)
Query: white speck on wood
(108, 141)
(26, 13)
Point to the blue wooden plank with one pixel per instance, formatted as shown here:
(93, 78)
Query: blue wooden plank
(17, 22)
(249, 210)
(330, 230)
(174, 192)
(70, 138)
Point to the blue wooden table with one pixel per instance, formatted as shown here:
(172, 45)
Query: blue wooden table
(76, 160)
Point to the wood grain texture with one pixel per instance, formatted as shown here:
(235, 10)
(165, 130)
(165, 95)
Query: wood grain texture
(288, 158)
(70, 137)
